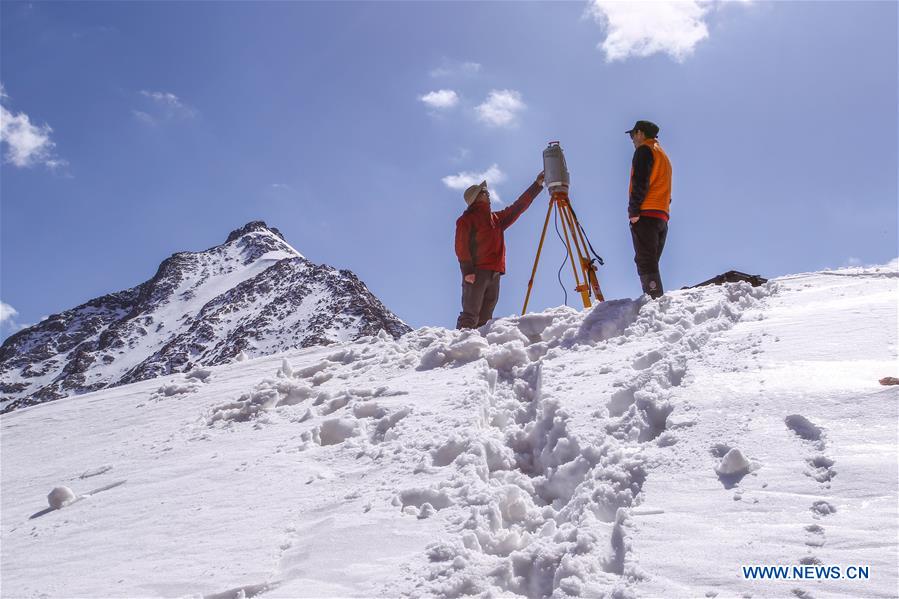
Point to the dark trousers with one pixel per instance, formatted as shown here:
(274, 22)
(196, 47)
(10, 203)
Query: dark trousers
(478, 299)
(648, 235)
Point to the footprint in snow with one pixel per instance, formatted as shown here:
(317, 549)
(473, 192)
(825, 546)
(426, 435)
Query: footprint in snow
(815, 536)
(805, 429)
(822, 508)
(821, 469)
(820, 466)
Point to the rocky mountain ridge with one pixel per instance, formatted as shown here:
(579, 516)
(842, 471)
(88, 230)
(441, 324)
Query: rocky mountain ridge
(253, 295)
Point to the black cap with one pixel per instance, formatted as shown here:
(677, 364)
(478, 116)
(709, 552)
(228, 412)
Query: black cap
(648, 128)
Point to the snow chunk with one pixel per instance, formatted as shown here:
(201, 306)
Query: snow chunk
(286, 370)
(267, 396)
(646, 360)
(504, 332)
(172, 389)
(421, 497)
(734, 463)
(447, 453)
(312, 370)
(60, 497)
(532, 325)
(201, 374)
(386, 424)
(508, 356)
(335, 404)
(467, 347)
(607, 319)
(337, 430)
(368, 409)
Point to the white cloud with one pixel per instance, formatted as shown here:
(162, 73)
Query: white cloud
(461, 155)
(463, 180)
(443, 98)
(853, 261)
(501, 108)
(8, 319)
(143, 117)
(453, 69)
(166, 99)
(641, 29)
(56, 164)
(281, 186)
(163, 106)
(27, 144)
(7, 312)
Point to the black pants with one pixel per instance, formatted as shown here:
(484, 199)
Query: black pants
(648, 235)
(478, 299)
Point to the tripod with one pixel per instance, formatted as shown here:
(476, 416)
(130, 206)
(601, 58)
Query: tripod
(584, 268)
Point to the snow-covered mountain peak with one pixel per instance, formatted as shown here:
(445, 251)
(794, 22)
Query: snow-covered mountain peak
(256, 239)
(252, 295)
(252, 227)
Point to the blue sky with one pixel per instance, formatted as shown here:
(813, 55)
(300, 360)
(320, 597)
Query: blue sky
(135, 130)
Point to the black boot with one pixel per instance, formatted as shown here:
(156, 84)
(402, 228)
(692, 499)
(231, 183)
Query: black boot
(652, 285)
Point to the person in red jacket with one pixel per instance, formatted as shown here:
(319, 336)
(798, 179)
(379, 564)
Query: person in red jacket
(481, 250)
(649, 204)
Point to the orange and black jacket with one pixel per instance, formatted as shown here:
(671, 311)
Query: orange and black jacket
(650, 187)
(479, 233)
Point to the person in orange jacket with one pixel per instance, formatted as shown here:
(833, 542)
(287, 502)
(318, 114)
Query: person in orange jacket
(649, 204)
(481, 250)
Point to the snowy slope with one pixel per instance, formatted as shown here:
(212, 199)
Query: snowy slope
(559, 453)
(254, 294)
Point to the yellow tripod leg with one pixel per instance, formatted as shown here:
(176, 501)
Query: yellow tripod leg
(566, 225)
(587, 267)
(527, 297)
(590, 269)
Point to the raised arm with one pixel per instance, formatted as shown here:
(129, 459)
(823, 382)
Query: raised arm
(509, 215)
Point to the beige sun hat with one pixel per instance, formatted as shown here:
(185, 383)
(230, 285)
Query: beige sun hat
(471, 194)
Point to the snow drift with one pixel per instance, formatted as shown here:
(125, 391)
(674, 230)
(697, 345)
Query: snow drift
(638, 449)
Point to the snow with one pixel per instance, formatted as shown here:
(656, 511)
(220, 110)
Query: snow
(60, 497)
(734, 463)
(217, 271)
(638, 449)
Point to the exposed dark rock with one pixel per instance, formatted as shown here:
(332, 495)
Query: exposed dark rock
(256, 225)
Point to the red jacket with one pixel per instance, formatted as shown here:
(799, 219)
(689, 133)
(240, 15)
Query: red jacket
(479, 233)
